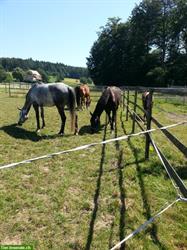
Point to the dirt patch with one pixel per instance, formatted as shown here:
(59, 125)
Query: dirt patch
(15, 240)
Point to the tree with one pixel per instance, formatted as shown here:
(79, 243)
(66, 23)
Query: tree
(9, 77)
(18, 74)
(150, 46)
(9, 64)
(107, 62)
(3, 74)
(45, 77)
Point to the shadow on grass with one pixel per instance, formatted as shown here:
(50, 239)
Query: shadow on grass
(125, 165)
(87, 129)
(96, 196)
(154, 169)
(122, 191)
(182, 172)
(20, 133)
(146, 206)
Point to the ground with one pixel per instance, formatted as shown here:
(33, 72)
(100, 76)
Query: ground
(88, 199)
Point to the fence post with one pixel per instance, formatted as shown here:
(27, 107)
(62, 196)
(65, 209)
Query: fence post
(9, 91)
(5, 87)
(127, 110)
(134, 116)
(148, 120)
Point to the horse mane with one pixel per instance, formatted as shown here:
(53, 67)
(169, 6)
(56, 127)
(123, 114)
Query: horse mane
(102, 101)
(107, 93)
(27, 105)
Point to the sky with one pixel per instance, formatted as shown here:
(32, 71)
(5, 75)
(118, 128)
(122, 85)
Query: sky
(60, 31)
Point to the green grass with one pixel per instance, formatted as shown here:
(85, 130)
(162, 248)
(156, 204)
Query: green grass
(88, 199)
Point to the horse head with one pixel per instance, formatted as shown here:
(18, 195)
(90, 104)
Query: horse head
(22, 116)
(95, 123)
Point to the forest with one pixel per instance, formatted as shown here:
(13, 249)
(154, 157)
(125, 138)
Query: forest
(18, 67)
(149, 49)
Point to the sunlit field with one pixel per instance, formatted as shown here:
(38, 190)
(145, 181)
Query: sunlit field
(93, 198)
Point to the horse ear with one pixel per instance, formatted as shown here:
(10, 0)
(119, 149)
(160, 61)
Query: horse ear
(91, 113)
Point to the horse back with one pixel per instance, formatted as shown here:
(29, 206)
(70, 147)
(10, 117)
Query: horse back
(41, 95)
(84, 90)
(114, 96)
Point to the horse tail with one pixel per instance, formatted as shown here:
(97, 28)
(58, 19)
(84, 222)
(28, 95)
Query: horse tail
(72, 104)
(77, 94)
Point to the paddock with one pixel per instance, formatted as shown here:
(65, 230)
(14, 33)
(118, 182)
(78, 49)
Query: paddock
(93, 198)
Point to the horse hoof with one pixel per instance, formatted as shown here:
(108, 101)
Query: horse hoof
(38, 131)
(112, 132)
(60, 133)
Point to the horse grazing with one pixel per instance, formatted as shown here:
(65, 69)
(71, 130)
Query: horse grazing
(146, 102)
(109, 101)
(83, 96)
(53, 94)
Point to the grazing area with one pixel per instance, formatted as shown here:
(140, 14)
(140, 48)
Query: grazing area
(93, 198)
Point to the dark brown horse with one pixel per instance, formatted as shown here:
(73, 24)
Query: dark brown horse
(83, 96)
(146, 102)
(108, 102)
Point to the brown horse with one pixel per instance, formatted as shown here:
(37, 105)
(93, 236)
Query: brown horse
(83, 96)
(108, 102)
(146, 102)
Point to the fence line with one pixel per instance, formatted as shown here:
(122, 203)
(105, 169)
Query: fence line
(172, 138)
(149, 118)
(176, 180)
(180, 186)
(143, 226)
(124, 137)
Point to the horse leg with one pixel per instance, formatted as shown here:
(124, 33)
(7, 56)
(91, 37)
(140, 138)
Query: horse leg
(109, 117)
(82, 102)
(63, 119)
(36, 108)
(76, 125)
(113, 121)
(87, 102)
(42, 116)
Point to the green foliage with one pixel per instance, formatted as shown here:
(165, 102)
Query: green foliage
(45, 77)
(3, 74)
(9, 77)
(59, 78)
(151, 45)
(18, 74)
(156, 76)
(85, 80)
(47, 68)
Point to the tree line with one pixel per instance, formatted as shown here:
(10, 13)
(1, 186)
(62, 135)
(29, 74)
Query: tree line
(149, 49)
(18, 67)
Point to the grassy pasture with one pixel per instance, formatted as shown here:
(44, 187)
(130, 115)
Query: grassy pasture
(93, 198)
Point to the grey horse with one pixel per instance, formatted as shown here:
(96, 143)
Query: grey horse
(46, 95)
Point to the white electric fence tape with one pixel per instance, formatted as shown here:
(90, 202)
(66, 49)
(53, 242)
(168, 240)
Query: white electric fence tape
(139, 229)
(124, 137)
